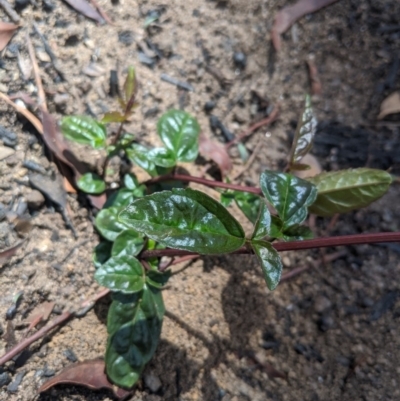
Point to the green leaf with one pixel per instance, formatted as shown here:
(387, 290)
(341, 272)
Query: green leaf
(305, 133)
(85, 130)
(121, 198)
(263, 223)
(180, 132)
(297, 233)
(289, 195)
(121, 273)
(138, 155)
(130, 87)
(185, 219)
(227, 197)
(270, 260)
(107, 223)
(134, 326)
(249, 204)
(157, 279)
(127, 243)
(131, 183)
(101, 253)
(113, 117)
(162, 157)
(91, 183)
(345, 190)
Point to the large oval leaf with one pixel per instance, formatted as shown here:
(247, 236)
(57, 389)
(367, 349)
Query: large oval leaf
(107, 223)
(121, 273)
(180, 133)
(185, 219)
(289, 195)
(345, 190)
(85, 130)
(134, 327)
(270, 262)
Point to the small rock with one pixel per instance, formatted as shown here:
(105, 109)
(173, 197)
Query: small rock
(4, 379)
(9, 138)
(325, 323)
(12, 160)
(152, 382)
(61, 99)
(70, 355)
(5, 152)
(126, 37)
(13, 387)
(35, 200)
(48, 372)
(48, 5)
(240, 60)
(322, 303)
(21, 4)
(208, 106)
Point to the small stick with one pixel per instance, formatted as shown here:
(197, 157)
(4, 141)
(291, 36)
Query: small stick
(101, 12)
(271, 118)
(10, 11)
(176, 82)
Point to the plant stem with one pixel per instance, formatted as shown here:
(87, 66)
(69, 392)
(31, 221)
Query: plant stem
(203, 181)
(356, 239)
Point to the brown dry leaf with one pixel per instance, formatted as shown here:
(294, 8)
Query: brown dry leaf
(313, 170)
(316, 86)
(6, 32)
(289, 15)
(86, 9)
(390, 105)
(40, 313)
(9, 253)
(215, 151)
(90, 374)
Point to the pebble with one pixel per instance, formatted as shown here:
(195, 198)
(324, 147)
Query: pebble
(35, 200)
(240, 60)
(13, 387)
(12, 160)
(4, 379)
(70, 355)
(126, 37)
(9, 138)
(208, 106)
(322, 303)
(325, 323)
(152, 382)
(5, 152)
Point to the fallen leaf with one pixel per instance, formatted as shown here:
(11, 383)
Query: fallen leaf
(316, 86)
(6, 32)
(9, 253)
(390, 105)
(86, 9)
(90, 374)
(40, 313)
(215, 151)
(51, 189)
(289, 15)
(313, 167)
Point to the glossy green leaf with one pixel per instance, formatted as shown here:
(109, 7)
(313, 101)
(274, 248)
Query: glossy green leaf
(249, 204)
(138, 154)
(85, 130)
(227, 198)
(297, 233)
(289, 195)
(134, 326)
(270, 260)
(345, 190)
(121, 273)
(157, 279)
(113, 117)
(121, 198)
(91, 183)
(107, 223)
(101, 253)
(263, 223)
(180, 133)
(127, 243)
(305, 133)
(185, 219)
(162, 157)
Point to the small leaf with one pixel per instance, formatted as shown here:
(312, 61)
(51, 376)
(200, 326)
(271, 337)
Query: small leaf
(180, 133)
(162, 157)
(107, 223)
(185, 219)
(127, 243)
(263, 223)
(345, 190)
(121, 198)
(215, 151)
(227, 197)
(113, 117)
(131, 182)
(157, 279)
(138, 155)
(121, 273)
(270, 260)
(297, 233)
(134, 327)
(85, 130)
(91, 183)
(289, 195)
(130, 88)
(249, 204)
(304, 136)
(101, 253)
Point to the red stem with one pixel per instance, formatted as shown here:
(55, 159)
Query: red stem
(356, 239)
(204, 181)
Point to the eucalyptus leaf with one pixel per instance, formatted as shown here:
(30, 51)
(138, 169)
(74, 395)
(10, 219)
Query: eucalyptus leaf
(121, 273)
(346, 190)
(180, 133)
(84, 130)
(289, 195)
(134, 326)
(101, 253)
(263, 224)
(127, 243)
(270, 260)
(91, 183)
(138, 154)
(107, 223)
(185, 219)
(305, 133)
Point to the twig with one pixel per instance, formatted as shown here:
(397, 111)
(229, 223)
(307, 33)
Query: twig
(101, 12)
(176, 82)
(10, 11)
(271, 118)
(249, 162)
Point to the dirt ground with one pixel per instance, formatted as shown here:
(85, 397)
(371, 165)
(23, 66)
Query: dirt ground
(331, 333)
